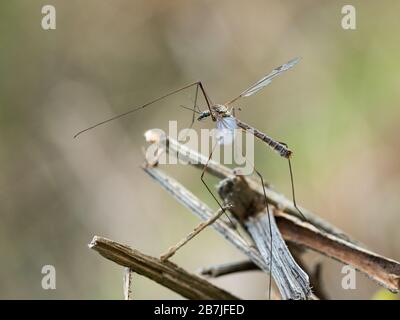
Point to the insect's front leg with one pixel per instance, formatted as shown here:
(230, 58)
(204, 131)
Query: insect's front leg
(208, 100)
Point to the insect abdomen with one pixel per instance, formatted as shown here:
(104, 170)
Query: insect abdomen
(275, 145)
(280, 148)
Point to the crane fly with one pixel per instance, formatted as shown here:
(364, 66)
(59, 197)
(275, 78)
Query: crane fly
(226, 123)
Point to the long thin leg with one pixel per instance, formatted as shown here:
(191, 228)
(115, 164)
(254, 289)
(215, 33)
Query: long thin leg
(208, 100)
(200, 227)
(292, 185)
(214, 197)
(208, 188)
(194, 105)
(222, 210)
(270, 231)
(270, 236)
(293, 193)
(194, 111)
(197, 84)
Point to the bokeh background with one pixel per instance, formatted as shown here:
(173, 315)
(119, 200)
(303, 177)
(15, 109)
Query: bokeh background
(338, 109)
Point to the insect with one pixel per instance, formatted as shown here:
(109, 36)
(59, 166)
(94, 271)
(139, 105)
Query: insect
(223, 114)
(226, 122)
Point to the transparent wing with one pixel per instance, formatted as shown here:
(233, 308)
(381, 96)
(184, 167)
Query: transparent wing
(226, 130)
(267, 79)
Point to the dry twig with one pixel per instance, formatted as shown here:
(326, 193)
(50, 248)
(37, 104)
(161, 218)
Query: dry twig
(165, 273)
(293, 284)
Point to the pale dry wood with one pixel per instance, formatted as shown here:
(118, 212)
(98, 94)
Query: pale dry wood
(384, 271)
(249, 207)
(290, 286)
(292, 281)
(224, 269)
(165, 273)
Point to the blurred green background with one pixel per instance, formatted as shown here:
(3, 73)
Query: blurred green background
(338, 109)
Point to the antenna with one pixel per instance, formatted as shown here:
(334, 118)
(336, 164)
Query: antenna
(135, 109)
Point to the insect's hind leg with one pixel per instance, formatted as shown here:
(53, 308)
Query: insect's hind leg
(292, 185)
(233, 223)
(222, 210)
(270, 232)
(270, 229)
(208, 188)
(200, 227)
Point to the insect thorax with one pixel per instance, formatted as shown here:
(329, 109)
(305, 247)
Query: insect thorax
(220, 110)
